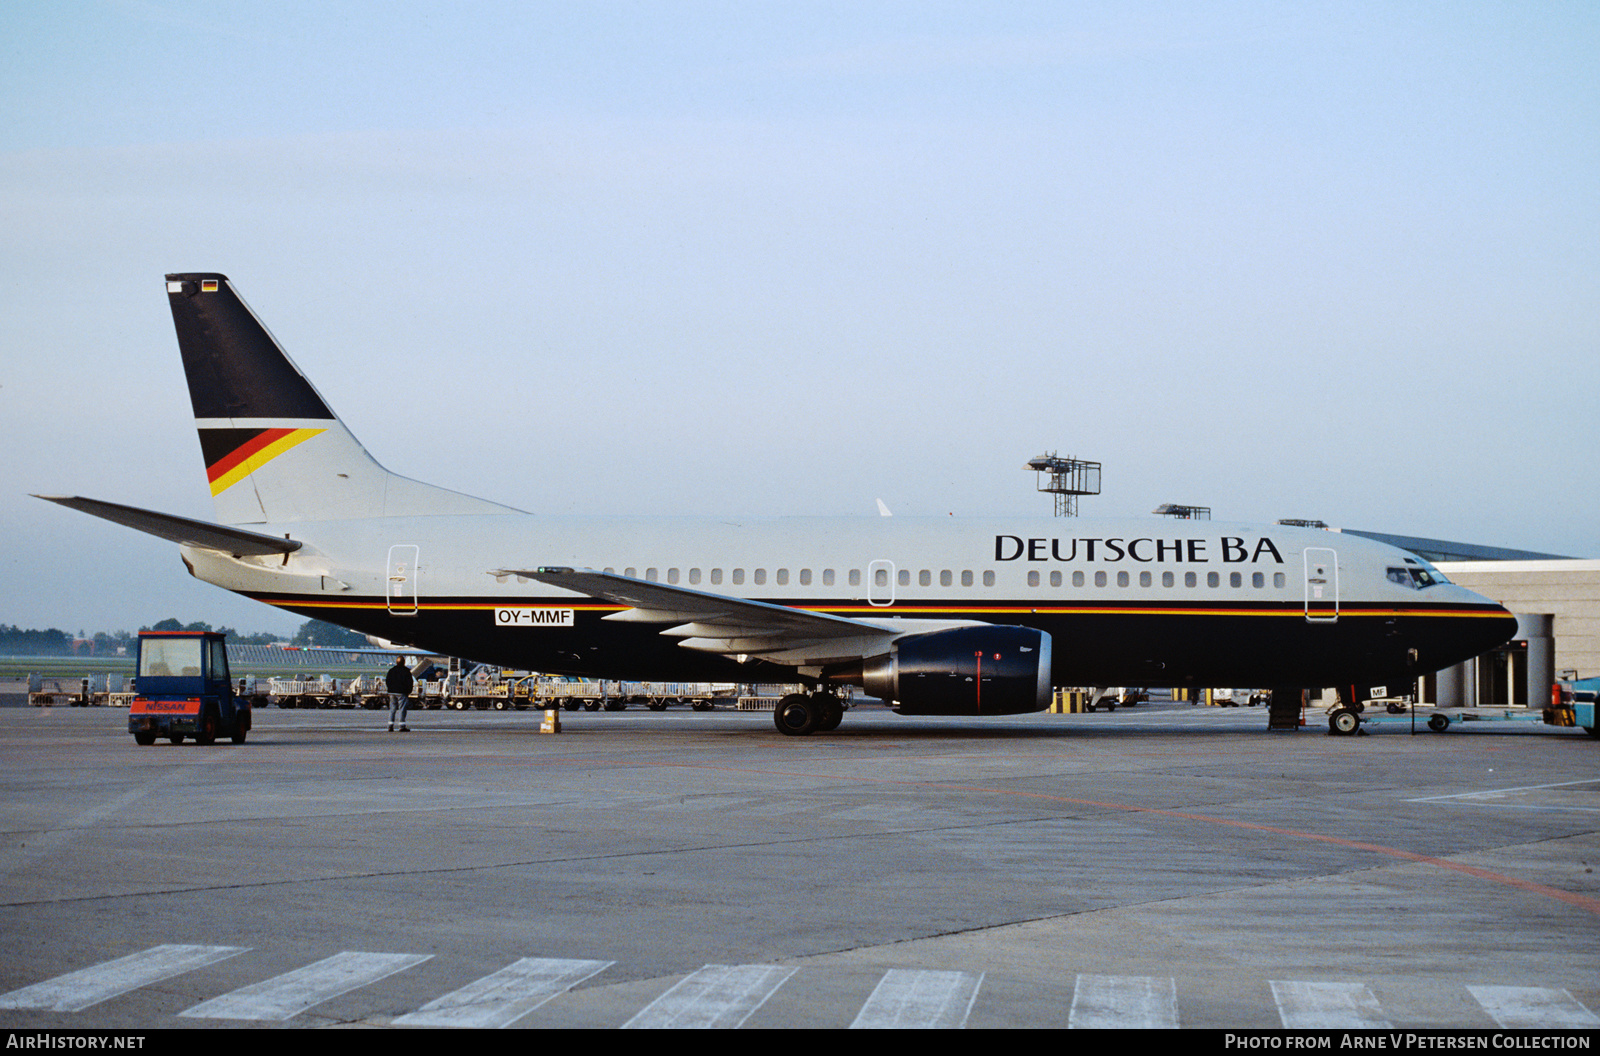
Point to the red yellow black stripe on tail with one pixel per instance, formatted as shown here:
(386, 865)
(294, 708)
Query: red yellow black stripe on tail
(233, 454)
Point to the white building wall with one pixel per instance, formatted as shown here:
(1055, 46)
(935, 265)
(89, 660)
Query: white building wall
(1567, 590)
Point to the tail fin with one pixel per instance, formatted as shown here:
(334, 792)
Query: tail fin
(273, 449)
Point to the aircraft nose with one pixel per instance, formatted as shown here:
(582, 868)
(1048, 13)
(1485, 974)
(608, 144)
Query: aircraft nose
(1494, 629)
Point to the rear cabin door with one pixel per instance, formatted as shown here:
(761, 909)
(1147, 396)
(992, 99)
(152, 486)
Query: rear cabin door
(1322, 585)
(402, 590)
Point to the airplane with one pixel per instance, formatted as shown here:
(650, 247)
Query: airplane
(933, 616)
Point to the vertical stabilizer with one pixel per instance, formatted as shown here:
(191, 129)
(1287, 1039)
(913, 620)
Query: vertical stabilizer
(273, 450)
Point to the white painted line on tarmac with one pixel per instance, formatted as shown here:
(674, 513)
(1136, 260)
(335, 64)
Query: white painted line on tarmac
(905, 999)
(718, 996)
(287, 995)
(1533, 1008)
(501, 999)
(1491, 792)
(87, 987)
(1327, 1006)
(1114, 1002)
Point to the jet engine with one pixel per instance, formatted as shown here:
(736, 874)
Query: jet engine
(964, 671)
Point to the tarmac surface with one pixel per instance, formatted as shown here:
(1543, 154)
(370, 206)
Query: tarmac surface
(1168, 865)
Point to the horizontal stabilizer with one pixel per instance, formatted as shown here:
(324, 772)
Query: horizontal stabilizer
(235, 541)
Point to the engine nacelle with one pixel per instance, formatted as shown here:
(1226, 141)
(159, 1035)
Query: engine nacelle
(964, 671)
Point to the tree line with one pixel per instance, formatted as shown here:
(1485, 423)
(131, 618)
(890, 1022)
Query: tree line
(52, 641)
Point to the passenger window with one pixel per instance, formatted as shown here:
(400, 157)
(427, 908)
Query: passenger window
(1033, 579)
(1168, 579)
(805, 577)
(1189, 579)
(1213, 579)
(761, 576)
(1055, 579)
(1099, 579)
(1258, 579)
(1235, 579)
(783, 577)
(1277, 579)
(827, 577)
(880, 577)
(1077, 579)
(653, 575)
(1122, 579)
(608, 570)
(672, 575)
(966, 577)
(694, 575)
(631, 573)
(905, 577)
(945, 578)
(716, 576)
(738, 577)
(855, 577)
(1144, 579)
(924, 578)
(988, 579)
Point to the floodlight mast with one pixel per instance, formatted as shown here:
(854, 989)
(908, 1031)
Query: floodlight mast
(1066, 479)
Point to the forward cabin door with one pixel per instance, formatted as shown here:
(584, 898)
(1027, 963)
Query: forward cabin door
(402, 588)
(1322, 585)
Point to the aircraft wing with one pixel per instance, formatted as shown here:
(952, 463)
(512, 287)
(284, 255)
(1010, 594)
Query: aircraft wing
(718, 623)
(235, 541)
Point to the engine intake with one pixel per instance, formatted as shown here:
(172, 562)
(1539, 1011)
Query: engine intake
(964, 671)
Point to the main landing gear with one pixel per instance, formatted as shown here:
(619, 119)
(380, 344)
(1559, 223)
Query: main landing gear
(799, 714)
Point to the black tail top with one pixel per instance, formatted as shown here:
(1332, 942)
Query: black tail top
(235, 367)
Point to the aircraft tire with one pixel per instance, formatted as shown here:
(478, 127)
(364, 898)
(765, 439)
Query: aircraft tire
(797, 715)
(832, 714)
(1343, 722)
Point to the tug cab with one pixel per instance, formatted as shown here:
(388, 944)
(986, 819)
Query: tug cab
(183, 689)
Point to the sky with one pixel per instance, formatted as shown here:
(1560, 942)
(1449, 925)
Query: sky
(1318, 260)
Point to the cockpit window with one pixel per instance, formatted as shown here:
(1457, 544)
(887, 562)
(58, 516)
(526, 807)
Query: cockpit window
(1416, 575)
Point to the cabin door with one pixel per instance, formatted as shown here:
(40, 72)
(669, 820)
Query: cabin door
(402, 586)
(1322, 585)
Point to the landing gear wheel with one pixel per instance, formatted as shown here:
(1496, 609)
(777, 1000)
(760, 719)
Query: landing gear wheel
(1343, 721)
(797, 715)
(832, 713)
(1438, 723)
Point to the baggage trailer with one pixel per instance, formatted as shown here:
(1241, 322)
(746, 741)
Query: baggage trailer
(182, 689)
